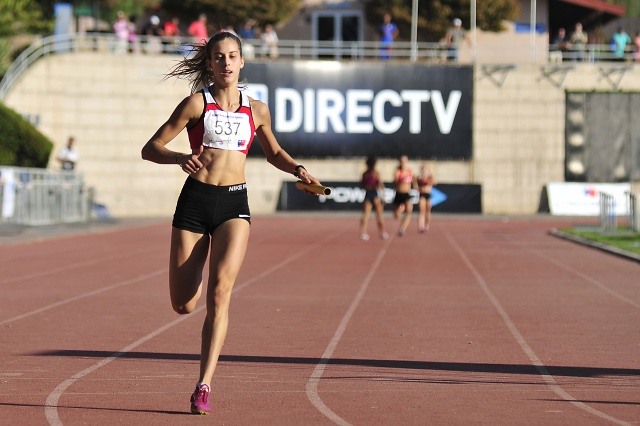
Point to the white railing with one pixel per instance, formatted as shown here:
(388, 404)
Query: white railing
(590, 53)
(286, 49)
(33, 197)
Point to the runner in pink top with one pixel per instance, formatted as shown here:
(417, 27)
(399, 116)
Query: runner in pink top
(425, 182)
(403, 182)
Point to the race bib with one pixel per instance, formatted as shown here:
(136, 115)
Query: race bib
(226, 130)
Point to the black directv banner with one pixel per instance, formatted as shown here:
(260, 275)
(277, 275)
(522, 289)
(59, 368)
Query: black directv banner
(445, 198)
(334, 109)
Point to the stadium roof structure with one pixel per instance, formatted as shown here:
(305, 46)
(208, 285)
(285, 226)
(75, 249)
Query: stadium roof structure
(591, 13)
(600, 6)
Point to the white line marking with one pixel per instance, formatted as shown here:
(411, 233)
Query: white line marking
(542, 370)
(51, 404)
(316, 375)
(69, 266)
(586, 278)
(83, 295)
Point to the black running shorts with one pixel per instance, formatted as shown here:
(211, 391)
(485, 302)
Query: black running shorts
(401, 198)
(201, 207)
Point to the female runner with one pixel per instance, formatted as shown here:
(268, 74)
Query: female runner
(373, 186)
(426, 182)
(212, 213)
(403, 182)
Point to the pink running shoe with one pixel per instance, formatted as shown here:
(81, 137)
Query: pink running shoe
(200, 400)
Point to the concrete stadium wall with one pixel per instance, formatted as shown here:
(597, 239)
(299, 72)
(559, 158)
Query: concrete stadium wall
(519, 127)
(113, 104)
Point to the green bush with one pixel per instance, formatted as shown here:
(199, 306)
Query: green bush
(21, 144)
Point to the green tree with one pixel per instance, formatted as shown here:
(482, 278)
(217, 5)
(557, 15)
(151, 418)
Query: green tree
(18, 17)
(21, 16)
(435, 16)
(224, 12)
(633, 7)
(104, 9)
(109, 8)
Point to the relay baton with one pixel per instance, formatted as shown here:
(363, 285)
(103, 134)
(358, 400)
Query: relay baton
(316, 189)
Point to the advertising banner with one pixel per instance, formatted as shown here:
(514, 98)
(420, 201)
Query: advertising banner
(445, 198)
(583, 199)
(333, 109)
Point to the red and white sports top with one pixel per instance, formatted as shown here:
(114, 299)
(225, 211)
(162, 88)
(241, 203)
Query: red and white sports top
(404, 176)
(233, 131)
(425, 180)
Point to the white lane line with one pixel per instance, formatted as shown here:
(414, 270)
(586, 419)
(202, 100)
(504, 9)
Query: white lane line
(586, 278)
(51, 404)
(542, 370)
(318, 371)
(83, 295)
(70, 266)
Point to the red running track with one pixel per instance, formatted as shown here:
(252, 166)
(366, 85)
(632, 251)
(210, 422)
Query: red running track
(482, 320)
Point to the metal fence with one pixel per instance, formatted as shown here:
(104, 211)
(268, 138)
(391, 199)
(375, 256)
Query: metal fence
(43, 197)
(591, 53)
(609, 218)
(634, 212)
(425, 52)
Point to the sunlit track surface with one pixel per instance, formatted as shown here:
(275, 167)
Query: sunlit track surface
(483, 320)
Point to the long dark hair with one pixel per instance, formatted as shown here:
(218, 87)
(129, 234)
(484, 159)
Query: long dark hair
(194, 67)
(371, 162)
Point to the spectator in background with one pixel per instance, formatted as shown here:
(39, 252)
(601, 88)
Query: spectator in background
(121, 29)
(388, 33)
(152, 28)
(453, 38)
(171, 30)
(153, 33)
(172, 27)
(578, 42)
(68, 155)
(247, 31)
(229, 29)
(620, 40)
(134, 45)
(198, 29)
(636, 47)
(559, 46)
(269, 39)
